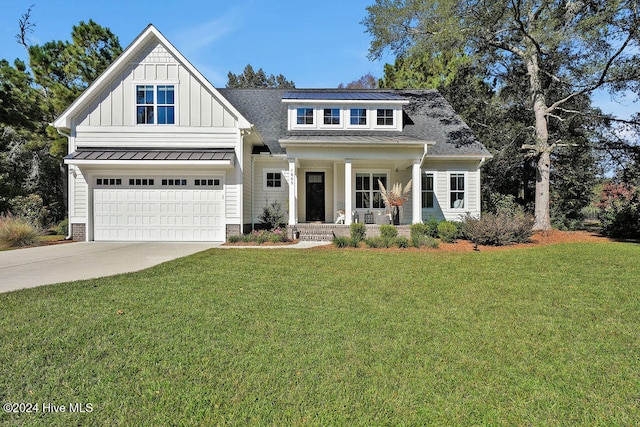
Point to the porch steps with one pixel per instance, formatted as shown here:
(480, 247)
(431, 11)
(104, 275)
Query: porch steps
(321, 232)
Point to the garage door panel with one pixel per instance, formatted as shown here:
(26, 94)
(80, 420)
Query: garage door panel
(172, 215)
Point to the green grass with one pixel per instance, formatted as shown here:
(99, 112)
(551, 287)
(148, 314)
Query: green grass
(543, 336)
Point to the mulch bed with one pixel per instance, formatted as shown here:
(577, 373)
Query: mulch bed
(538, 239)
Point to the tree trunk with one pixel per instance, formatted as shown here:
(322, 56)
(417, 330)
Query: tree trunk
(542, 147)
(543, 168)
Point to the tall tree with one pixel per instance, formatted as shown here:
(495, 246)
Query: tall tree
(63, 70)
(368, 81)
(31, 151)
(252, 79)
(21, 129)
(573, 45)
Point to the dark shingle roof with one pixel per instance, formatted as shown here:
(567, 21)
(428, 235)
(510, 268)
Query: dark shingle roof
(355, 95)
(427, 116)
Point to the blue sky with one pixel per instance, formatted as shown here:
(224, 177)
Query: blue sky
(315, 44)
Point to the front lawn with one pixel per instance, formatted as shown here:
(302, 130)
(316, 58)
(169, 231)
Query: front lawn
(539, 336)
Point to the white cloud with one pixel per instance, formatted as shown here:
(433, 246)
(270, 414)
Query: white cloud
(195, 38)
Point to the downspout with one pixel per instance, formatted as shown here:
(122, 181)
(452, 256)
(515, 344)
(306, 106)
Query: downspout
(60, 132)
(243, 133)
(253, 166)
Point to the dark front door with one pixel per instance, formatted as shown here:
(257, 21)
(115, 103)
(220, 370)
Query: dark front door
(315, 196)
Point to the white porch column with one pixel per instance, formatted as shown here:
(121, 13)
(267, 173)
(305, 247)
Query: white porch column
(293, 192)
(416, 194)
(347, 192)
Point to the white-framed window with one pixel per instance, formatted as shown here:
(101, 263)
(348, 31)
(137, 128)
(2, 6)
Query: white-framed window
(367, 190)
(457, 186)
(358, 117)
(384, 117)
(155, 104)
(273, 179)
(428, 191)
(304, 116)
(331, 116)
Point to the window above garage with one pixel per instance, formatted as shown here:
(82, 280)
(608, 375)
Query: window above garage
(155, 104)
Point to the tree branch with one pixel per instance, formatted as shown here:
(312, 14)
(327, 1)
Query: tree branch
(26, 27)
(601, 80)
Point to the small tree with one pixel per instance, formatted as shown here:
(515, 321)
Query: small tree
(272, 216)
(620, 211)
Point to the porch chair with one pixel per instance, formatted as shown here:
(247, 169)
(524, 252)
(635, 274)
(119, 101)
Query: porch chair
(341, 217)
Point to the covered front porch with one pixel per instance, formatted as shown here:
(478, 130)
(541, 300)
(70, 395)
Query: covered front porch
(335, 184)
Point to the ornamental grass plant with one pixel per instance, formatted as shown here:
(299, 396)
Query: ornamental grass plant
(17, 232)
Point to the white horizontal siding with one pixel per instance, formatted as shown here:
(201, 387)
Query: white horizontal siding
(443, 171)
(80, 196)
(156, 136)
(263, 197)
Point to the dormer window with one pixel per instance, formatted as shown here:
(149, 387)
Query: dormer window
(155, 104)
(358, 117)
(328, 111)
(385, 117)
(331, 116)
(305, 116)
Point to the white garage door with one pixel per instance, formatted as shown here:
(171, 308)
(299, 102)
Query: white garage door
(159, 214)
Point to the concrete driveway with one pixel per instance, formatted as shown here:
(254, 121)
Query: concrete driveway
(44, 265)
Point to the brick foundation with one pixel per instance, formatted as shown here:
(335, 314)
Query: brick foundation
(233, 230)
(79, 232)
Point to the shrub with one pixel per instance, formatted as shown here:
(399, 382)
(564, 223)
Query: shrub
(388, 231)
(358, 231)
(418, 230)
(377, 242)
(63, 227)
(30, 208)
(424, 234)
(401, 242)
(234, 239)
(17, 232)
(342, 241)
(262, 236)
(432, 227)
(498, 229)
(272, 216)
(505, 203)
(620, 211)
(447, 231)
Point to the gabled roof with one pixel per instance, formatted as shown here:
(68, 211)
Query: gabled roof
(148, 35)
(427, 117)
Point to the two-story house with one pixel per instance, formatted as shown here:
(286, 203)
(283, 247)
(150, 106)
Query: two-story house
(157, 153)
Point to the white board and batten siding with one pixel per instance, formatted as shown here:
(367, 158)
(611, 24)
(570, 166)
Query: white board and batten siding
(195, 105)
